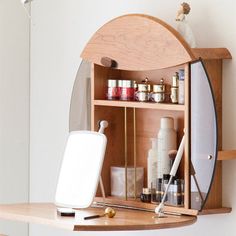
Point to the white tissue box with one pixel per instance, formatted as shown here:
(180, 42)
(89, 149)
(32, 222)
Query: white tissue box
(118, 181)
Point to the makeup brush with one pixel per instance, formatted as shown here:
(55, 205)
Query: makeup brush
(109, 212)
(172, 154)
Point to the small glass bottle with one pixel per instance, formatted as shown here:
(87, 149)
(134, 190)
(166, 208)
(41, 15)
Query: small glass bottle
(158, 94)
(174, 88)
(146, 195)
(177, 190)
(159, 190)
(181, 87)
(142, 94)
(165, 181)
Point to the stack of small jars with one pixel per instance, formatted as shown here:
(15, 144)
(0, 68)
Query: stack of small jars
(129, 90)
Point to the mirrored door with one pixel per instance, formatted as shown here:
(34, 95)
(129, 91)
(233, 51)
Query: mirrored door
(203, 135)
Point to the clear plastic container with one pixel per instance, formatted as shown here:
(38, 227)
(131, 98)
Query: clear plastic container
(118, 181)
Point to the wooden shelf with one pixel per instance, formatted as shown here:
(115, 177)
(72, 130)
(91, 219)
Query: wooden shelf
(149, 105)
(211, 53)
(227, 155)
(146, 206)
(46, 213)
(222, 210)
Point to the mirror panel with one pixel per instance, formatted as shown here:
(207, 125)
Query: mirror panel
(80, 163)
(203, 135)
(80, 107)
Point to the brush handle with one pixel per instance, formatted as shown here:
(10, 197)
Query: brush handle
(93, 217)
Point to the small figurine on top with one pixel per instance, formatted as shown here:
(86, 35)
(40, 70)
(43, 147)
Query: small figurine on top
(183, 27)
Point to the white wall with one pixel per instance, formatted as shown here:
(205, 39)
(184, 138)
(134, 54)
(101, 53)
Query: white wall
(60, 30)
(14, 109)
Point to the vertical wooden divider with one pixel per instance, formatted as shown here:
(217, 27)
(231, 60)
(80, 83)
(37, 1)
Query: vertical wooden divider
(135, 155)
(126, 154)
(187, 136)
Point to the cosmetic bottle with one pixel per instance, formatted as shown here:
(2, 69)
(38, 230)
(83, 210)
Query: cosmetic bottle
(174, 89)
(181, 87)
(159, 190)
(165, 181)
(167, 140)
(177, 193)
(152, 164)
(146, 195)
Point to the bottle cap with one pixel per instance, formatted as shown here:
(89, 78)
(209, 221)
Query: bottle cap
(166, 177)
(143, 88)
(128, 84)
(112, 83)
(147, 190)
(167, 123)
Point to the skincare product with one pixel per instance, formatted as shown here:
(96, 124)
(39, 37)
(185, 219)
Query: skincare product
(181, 87)
(174, 88)
(113, 90)
(167, 140)
(142, 94)
(158, 94)
(159, 190)
(127, 90)
(165, 181)
(145, 196)
(177, 193)
(152, 164)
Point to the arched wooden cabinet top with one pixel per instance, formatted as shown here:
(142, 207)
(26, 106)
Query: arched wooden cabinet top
(138, 42)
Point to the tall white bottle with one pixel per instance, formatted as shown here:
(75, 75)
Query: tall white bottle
(152, 164)
(167, 140)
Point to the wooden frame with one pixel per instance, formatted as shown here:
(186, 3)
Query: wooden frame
(116, 40)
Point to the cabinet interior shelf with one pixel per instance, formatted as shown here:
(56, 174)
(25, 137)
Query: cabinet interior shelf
(133, 104)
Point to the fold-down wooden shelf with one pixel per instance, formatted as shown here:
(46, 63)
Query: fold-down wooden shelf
(46, 213)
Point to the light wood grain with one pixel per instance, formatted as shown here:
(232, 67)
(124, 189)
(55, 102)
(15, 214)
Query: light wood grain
(138, 42)
(148, 206)
(45, 213)
(211, 53)
(148, 105)
(222, 210)
(227, 155)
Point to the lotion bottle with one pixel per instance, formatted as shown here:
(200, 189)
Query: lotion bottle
(167, 140)
(152, 164)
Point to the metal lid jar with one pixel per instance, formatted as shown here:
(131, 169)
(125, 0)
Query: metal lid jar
(112, 90)
(158, 94)
(142, 94)
(127, 90)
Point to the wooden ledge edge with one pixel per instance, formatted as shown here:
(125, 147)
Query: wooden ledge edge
(223, 210)
(211, 53)
(225, 155)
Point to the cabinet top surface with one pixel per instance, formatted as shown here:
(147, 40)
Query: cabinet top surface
(46, 213)
(138, 42)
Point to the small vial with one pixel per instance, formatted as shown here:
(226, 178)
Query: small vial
(181, 87)
(165, 181)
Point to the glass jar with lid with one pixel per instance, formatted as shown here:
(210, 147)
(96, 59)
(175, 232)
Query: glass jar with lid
(158, 94)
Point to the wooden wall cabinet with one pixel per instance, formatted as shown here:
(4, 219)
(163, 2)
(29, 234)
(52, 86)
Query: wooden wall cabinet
(144, 46)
